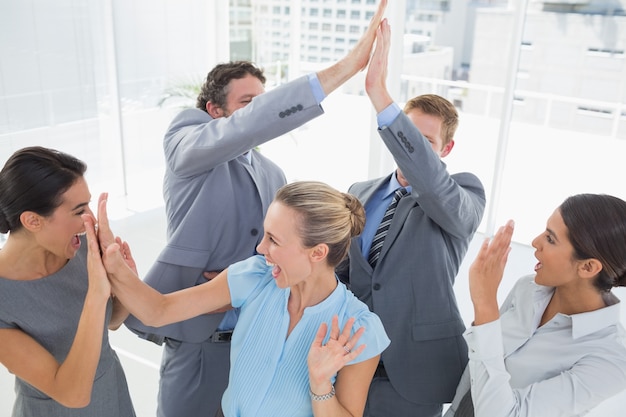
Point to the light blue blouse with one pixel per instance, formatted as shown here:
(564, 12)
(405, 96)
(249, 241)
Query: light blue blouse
(269, 373)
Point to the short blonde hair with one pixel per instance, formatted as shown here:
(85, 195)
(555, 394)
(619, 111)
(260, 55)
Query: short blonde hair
(325, 216)
(437, 106)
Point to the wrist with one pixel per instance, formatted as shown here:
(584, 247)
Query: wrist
(323, 397)
(486, 314)
(380, 99)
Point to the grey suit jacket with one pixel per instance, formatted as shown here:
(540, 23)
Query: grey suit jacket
(215, 200)
(411, 288)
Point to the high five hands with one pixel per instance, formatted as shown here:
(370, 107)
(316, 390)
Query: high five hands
(376, 78)
(100, 236)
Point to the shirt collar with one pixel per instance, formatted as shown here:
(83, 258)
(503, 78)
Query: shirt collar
(592, 321)
(583, 324)
(393, 185)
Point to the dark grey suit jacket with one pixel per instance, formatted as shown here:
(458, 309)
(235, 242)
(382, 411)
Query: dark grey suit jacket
(215, 200)
(411, 288)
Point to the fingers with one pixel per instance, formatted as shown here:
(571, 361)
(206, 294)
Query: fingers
(507, 230)
(102, 208)
(376, 19)
(379, 14)
(127, 254)
(350, 346)
(487, 270)
(351, 343)
(92, 240)
(113, 259)
(385, 34)
(98, 282)
(105, 235)
(369, 36)
(334, 328)
(124, 248)
(500, 244)
(343, 339)
(347, 328)
(379, 57)
(354, 353)
(505, 236)
(209, 275)
(103, 215)
(320, 335)
(482, 252)
(379, 61)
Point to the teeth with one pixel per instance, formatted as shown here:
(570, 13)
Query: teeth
(268, 263)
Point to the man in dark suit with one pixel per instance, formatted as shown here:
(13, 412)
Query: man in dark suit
(406, 275)
(217, 189)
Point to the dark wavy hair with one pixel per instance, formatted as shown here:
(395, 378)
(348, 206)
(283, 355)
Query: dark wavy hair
(215, 87)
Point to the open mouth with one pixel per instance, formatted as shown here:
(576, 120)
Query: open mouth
(275, 268)
(76, 241)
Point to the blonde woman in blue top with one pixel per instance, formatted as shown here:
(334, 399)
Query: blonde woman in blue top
(304, 345)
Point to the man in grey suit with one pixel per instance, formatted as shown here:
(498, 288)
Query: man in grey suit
(217, 188)
(410, 285)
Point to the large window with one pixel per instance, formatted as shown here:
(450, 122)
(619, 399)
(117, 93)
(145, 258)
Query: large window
(542, 109)
(539, 85)
(90, 78)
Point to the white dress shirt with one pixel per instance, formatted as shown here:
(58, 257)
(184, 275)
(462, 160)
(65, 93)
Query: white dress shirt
(564, 368)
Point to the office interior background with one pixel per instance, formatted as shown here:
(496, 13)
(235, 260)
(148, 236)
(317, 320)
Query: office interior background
(540, 87)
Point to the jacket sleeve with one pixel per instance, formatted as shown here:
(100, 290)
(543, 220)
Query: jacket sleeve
(455, 202)
(196, 143)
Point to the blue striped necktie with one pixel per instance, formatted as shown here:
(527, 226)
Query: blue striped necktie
(381, 232)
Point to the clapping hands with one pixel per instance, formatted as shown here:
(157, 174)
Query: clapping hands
(486, 273)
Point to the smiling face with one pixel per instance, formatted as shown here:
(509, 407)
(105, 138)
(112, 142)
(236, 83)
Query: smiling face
(556, 266)
(240, 92)
(59, 232)
(283, 248)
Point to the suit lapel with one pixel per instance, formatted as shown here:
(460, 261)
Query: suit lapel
(368, 188)
(253, 169)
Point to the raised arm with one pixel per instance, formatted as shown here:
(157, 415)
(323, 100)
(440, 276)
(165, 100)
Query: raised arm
(144, 302)
(335, 75)
(69, 383)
